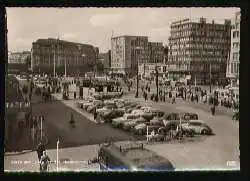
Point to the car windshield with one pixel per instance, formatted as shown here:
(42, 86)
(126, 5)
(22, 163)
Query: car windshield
(196, 124)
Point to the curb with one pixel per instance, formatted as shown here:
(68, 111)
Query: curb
(17, 153)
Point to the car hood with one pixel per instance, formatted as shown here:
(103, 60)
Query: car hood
(140, 126)
(120, 119)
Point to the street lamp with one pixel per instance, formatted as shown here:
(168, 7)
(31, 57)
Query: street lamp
(157, 82)
(137, 74)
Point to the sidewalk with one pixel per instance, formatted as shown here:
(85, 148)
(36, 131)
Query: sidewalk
(70, 159)
(71, 103)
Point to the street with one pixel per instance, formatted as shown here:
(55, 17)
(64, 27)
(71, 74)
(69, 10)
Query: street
(210, 151)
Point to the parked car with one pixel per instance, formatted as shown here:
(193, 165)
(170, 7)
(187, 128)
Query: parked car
(86, 104)
(95, 104)
(129, 125)
(172, 126)
(112, 114)
(80, 103)
(106, 108)
(141, 129)
(117, 122)
(199, 127)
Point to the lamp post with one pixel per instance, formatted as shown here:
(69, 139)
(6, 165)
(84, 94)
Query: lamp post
(156, 82)
(137, 75)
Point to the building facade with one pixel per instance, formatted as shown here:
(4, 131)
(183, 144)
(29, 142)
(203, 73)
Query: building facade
(72, 58)
(129, 52)
(233, 63)
(19, 61)
(200, 49)
(107, 61)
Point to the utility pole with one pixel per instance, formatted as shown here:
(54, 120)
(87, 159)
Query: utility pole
(137, 81)
(54, 60)
(41, 128)
(57, 158)
(210, 72)
(157, 83)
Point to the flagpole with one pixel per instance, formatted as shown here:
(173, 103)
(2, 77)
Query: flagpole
(57, 149)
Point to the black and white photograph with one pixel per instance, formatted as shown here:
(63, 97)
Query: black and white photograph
(122, 89)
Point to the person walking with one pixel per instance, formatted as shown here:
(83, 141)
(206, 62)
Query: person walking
(95, 114)
(213, 110)
(40, 149)
(44, 162)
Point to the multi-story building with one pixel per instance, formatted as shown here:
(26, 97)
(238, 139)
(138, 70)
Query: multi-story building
(107, 61)
(65, 56)
(128, 52)
(18, 57)
(200, 49)
(165, 54)
(19, 61)
(234, 61)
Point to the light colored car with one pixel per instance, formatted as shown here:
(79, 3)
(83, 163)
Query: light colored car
(141, 129)
(199, 127)
(129, 125)
(80, 103)
(117, 122)
(95, 104)
(106, 108)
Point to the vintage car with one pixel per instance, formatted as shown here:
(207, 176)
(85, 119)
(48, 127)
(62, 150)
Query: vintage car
(199, 127)
(129, 125)
(106, 108)
(80, 103)
(171, 126)
(142, 128)
(112, 114)
(95, 104)
(117, 122)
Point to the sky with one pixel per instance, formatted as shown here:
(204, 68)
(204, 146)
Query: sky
(96, 26)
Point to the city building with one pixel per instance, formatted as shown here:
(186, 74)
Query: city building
(62, 56)
(234, 60)
(129, 52)
(19, 61)
(165, 54)
(107, 61)
(6, 41)
(200, 49)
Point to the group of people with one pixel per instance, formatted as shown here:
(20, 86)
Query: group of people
(43, 158)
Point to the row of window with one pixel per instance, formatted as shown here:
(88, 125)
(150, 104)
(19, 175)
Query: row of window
(235, 67)
(236, 56)
(236, 45)
(210, 27)
(216, 34)
(236, 34)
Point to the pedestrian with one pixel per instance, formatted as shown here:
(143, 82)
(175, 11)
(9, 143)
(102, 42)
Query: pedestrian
(44, 162)
(213, 110)
(40, 149)
(74, 95)
(95, 114)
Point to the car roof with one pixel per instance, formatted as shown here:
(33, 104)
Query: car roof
(196, 121)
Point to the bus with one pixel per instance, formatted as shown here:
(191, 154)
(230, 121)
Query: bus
(113, 156)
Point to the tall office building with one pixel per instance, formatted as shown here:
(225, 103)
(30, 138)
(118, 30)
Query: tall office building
(74, 57)
(198, 47)
(129, 52)
(233, 63)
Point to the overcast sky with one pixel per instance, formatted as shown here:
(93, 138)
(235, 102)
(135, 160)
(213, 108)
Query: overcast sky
(95, 25)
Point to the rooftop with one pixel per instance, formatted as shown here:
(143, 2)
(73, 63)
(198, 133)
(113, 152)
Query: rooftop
(61, 41)
(136, 155)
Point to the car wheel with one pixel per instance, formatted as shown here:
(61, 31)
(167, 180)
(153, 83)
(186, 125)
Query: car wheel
(204, 132)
